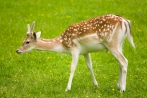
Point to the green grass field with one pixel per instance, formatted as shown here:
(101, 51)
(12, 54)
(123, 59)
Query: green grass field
(45, 74)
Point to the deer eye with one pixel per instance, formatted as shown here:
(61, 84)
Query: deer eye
(27, 42)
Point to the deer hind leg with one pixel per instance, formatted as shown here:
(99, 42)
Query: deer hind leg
(89, 65)
(123, 68)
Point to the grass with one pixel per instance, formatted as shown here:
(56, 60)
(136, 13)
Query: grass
(44, 74)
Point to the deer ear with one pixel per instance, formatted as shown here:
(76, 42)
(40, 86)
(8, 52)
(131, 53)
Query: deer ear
(29, 29)
(37, 35)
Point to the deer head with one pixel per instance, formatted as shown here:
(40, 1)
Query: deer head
(30, 40)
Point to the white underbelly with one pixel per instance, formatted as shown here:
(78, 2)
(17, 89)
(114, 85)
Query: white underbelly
(90, 43)
(91, 47)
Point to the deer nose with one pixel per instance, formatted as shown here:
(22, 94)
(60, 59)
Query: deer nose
(17, 51)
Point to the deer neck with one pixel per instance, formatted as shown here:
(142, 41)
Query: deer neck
(54, 45)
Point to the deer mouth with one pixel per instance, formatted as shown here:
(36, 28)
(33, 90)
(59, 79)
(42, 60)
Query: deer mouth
(19, 52)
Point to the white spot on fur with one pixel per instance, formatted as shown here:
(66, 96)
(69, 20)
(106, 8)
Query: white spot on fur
(65, 38)
(75, 29)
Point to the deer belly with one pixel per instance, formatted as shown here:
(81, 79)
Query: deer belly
(90, 43)
(92, 47)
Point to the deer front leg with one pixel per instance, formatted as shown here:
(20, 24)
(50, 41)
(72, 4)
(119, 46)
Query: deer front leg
(89, 65)
(75, 57)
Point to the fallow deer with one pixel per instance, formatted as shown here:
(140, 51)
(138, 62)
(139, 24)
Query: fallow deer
(104, 32)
